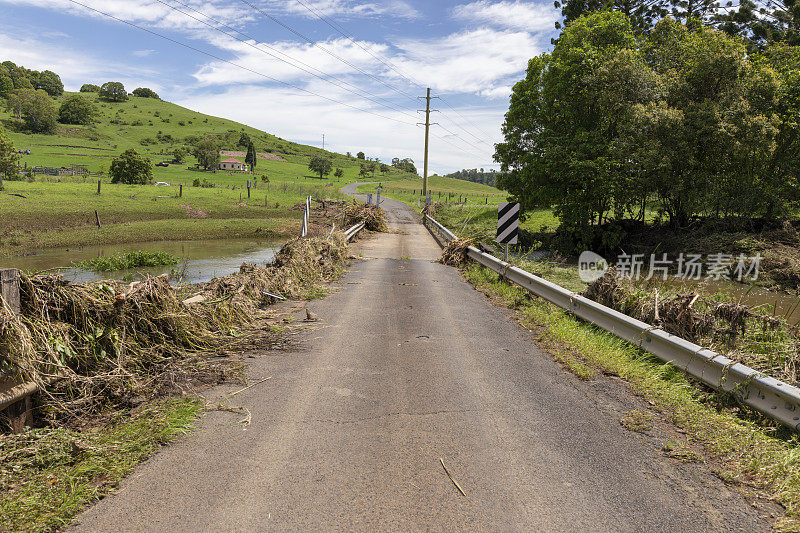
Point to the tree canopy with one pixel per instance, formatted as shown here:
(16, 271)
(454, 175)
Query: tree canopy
(131, 168)
(684, 122)
(90, 88)
(16, 78)
(251, 158)
(34, 108)
(77, 110)
(113, 91)
(206, 151)
(9, 159)
(144, 92)
(321, 165)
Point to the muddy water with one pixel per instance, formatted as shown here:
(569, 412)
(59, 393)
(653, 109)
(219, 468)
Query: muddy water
(777, 304)
(201, 260)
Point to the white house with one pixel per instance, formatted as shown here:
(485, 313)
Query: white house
(232, 164)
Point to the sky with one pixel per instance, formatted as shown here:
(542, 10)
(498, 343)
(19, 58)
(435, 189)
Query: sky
(351, 70)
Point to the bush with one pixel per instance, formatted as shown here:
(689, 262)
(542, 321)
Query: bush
(205, 184)
(131, 168)
(144, 92)
(113, 91)
(90, 88)
(77, 110)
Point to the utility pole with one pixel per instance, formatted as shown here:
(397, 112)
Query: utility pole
(427, 134)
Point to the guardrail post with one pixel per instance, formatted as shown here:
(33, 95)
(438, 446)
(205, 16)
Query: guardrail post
(9, 288)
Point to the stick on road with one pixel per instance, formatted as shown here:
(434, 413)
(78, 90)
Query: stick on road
(409, 367)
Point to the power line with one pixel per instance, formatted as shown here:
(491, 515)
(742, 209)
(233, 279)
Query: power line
(209, 54)
(329, 52)
(337, 27)
(324, 77)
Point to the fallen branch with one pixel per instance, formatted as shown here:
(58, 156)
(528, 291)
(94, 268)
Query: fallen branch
(446, 471)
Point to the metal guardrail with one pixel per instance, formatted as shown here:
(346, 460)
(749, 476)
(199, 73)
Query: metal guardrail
(306, 212)
(770, 396)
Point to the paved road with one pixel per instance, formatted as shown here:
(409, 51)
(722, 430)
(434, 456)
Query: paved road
(410, 365)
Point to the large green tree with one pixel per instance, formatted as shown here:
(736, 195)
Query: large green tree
(50, 82)
(206, 151)
(321, 165)
(77, 110)
(113, 91)
(131, 168)
(9, 159)
(35, 108)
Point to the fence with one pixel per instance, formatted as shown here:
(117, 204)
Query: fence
(770, 396)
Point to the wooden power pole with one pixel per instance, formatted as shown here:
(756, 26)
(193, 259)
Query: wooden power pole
(427, 135)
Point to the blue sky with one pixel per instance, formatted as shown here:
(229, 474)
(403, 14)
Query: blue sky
(387, 53)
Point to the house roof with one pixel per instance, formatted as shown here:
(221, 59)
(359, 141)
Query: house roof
(232, 160)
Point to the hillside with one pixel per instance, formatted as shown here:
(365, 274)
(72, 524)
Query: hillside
(153, 127)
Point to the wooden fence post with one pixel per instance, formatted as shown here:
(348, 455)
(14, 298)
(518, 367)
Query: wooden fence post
(97, 218)
(9, 288)
(98, 187)
(180, 191)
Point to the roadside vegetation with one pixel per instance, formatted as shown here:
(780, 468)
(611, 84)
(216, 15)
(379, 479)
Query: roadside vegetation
(740, 446)
(111, 360)
(128, 144)
(126, 260)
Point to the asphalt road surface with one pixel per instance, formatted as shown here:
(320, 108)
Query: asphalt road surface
(408, 366)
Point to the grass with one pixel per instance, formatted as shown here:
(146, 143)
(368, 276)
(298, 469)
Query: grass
(124, 261)
(48, 475)
(59, 211)
(751, 452)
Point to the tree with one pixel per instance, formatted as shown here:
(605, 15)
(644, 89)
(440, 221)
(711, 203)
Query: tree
(144, 92)
(50, 83)
(251, 158)
(206, 151)
(406, 164)
(371, 166)
(179, 154)
(360, 155)
(131, 168)
(35, 108)
(321, 165)
(384, 168)
(77, 110)
(364, 170)
(338, 173)
(244, 140)
(113, 91)
(90, 88)
(563, 122)
(9, 159)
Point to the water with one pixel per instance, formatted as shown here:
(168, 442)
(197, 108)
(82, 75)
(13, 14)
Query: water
(778, 304)
(202, 260)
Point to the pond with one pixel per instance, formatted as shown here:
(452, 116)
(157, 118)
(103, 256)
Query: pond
(201, 260)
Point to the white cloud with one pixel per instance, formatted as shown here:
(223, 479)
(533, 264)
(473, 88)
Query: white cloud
(473, 61)
(517, 15)
(143, 53)
(395, 8)
(304, 119)
(74, 67)
(263, 57)
(150, 12)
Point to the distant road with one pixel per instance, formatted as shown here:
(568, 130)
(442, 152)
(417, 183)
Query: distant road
(409, 365)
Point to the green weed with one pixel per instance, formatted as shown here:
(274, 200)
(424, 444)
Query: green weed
(127, 260)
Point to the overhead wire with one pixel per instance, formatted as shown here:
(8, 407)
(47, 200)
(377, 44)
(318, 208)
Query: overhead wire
(305, 67)
(338, 28)
(218, 58)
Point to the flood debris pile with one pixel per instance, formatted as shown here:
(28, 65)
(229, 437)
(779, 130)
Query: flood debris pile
(298, 269)
(100, 345)
(455, 253)
(106, 345)
(373, 217)
(749, 335)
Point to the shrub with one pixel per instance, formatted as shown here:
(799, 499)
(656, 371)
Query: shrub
(131, 168)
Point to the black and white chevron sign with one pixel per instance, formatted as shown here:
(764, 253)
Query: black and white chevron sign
(507, 223)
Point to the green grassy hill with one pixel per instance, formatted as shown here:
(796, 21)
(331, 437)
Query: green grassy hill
(154, 128)
(50, 211)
